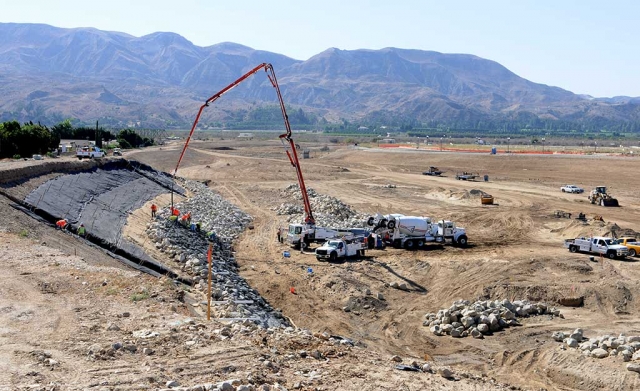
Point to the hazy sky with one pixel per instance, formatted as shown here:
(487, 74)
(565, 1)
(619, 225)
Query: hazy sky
(584, 46)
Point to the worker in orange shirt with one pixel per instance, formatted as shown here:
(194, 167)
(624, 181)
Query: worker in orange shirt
(175, 211)
(154, 209)
(61, 224)
(185, 220)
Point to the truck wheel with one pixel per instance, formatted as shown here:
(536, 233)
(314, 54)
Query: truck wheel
(409, 245)
(632, 252)
(563, 191)
(370, 221)
(420, 243)
(383, 223)
(391, 224)
(304, 245)
(611, 255)
(79, 157)
(333, 257)
(462, 241)
(573, 249)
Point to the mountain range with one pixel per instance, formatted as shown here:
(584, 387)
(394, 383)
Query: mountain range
(159, 80)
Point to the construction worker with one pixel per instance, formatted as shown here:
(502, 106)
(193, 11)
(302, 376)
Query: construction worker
(61, 224)
(173, 218)
(82, 231)
(198, 226)
(175, 211)
(279, 235)
(154, 209)
(185, 220)
(211, 235)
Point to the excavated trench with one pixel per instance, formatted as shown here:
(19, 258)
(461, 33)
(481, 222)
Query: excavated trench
(99, 194)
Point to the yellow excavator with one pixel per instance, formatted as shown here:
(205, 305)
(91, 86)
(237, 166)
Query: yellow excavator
(600, 197)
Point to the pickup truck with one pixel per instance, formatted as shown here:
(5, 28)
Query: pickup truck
(572, 189)
(632, 244)
(341, 248)
(89, 152)
(597, 245)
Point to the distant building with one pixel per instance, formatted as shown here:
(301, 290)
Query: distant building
(363, 129)
(247, 136)
(389, 141)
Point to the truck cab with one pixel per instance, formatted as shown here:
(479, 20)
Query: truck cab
(448, 230)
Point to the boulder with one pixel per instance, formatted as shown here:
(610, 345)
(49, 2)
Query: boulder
(599, 353)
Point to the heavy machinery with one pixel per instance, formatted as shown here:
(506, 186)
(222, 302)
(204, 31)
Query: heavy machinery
(412, 232)
(308, 228)
(599, 196)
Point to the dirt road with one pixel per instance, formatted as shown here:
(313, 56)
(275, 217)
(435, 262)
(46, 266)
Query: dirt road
(516, 253)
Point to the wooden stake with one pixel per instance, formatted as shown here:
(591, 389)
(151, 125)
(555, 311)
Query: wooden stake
(209, 290)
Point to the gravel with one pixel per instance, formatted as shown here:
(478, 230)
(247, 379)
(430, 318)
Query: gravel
(327, 211)
(233, 298)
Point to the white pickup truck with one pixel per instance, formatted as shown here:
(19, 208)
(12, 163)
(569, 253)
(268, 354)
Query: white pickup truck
(572, 189)
(597, 245)
(89, 152)
(341, 248)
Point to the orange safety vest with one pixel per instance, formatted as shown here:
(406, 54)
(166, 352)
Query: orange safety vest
(61, 223)
(176, 212)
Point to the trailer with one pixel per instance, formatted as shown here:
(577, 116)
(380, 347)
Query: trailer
(467, 176)
(432, 171)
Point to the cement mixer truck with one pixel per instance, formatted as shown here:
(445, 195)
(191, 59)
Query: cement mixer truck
(413, 232)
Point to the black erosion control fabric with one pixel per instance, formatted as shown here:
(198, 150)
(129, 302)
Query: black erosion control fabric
(102, 199)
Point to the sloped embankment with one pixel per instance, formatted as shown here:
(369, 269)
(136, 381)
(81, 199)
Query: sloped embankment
(100, 195)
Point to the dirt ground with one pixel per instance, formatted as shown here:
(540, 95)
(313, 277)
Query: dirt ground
(516, 252)
(59, 296)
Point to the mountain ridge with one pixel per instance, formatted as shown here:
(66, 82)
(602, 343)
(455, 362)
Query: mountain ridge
(159, 79)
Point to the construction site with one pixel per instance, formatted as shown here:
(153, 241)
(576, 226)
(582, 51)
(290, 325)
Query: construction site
(352, 269)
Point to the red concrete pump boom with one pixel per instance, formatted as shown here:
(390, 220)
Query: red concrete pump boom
(293, 156)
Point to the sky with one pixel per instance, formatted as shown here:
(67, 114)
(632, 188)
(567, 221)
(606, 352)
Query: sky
(587, 47)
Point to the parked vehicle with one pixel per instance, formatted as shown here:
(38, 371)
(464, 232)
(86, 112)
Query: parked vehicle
(632, 244)
(608, 247)
(341, 248)
(37, 157)
(467, 176)
(572, 189)
(117, 152)
(411, 232)
(433, 171)
(89, 152)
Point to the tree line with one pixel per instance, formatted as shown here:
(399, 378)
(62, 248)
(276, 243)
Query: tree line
(27, 139)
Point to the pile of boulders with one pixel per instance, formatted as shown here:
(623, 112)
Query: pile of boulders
(233, 297)
(483, 317)
(213, 211)
(328, 211)
(627, 348)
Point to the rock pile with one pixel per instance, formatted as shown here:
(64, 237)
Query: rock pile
(627, 348)
(482, 317)
(328, 211)
(232, 296)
